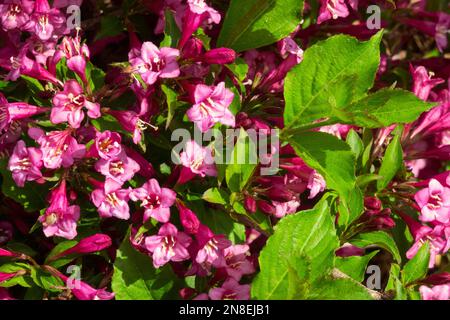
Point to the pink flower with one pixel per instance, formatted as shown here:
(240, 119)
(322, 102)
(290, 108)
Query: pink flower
(108, 144)
(13, 111)
(211, 106)
(434, 202)
(168, 245)
(237, 261)
(434, 237)
(349, 250)
(94, 243)
(153, 63)
(60, 219)
(196, 160)
(131, 122)
(212, 248)
(112, 202)
(284, 208)
(45, 22)
(15, 13)
(423, 82)
(82, 291)
(25, 164)
(58, 148)
(75, 53)
(188, 218)
(156, 200)
(5, 276)
(316, 184)
(219, 56)
(230, 290)
(119, 169)
(441, 292)
(6, 253)
(333, 9)
(197, 12)
(68, 105)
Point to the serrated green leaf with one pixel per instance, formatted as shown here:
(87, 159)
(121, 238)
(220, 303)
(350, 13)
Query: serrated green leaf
(383, 108)
(339, 64)
(216, 195)
(339, 289)
(417, 268)
(335, 161)
(379, 239)
(242, 164)
(135, 278)
(392, 161)
(308, 233)
(255, 23)
(355, 266)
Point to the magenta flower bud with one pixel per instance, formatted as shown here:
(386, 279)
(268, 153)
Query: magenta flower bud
(5, 276)
(6, 253)
(90, 244)
(438, 278)
(349, 250)
(250, 204)
(188, 219)
(219, 56)
(372, 203)
(84, 291)
(192, 49)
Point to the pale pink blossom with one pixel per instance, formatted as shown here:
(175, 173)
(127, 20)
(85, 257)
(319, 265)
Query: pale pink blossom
(60, 219)
(153, 63)
(211, 106)
(168, 245)
(25, 164)
(230, 290)
(119, 169)
(440, 292)
(434, 202)
(155, 200)
(112, 201)
(68, 105)
(58, 148)
(196, 160)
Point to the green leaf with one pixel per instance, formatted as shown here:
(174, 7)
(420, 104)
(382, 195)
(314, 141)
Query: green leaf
(417, 267)
(335, 161)
(333, 73)
(61, 247)
(383, 108)
(135, 278)
(308, 234)
(355, 266)
(355, 143)
(339, 289)
(46, 281)
(171, 31)
(363, 180)
(242, 164)
(255, 23)
(239, 68)
(392, 161)
(395, 284)
(379, 239)
(171, 100)
(216, 195)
